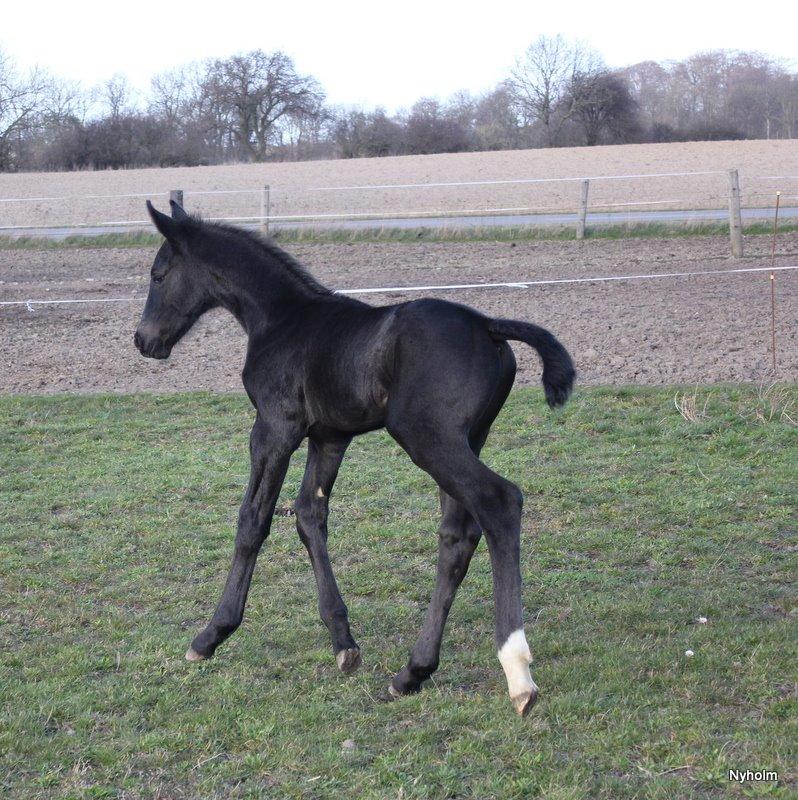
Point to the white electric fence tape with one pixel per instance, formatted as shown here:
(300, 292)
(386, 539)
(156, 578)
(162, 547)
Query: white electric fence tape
(449, 287)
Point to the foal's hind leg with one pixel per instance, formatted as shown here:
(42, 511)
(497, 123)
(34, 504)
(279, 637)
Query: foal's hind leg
(458, 537)
(324, 459)
(495, 504)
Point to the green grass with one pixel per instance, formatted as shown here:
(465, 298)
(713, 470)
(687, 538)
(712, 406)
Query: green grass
(522, 233)
(115, 240)
(116, 524)
(454, 234)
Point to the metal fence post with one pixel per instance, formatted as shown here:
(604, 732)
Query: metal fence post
(176, 195)
(582, 218)
(265, 208)
(735, 217)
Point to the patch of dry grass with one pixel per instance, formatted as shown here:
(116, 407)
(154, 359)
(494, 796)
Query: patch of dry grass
(774, 403)
(689, 405)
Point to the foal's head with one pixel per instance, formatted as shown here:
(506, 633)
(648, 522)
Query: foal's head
(180, 291)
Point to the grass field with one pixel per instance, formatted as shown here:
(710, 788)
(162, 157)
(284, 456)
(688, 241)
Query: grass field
(467, 234)
(115, 534)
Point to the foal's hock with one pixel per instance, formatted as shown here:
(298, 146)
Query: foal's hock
(326, 367)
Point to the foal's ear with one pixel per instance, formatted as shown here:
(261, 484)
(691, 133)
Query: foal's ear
(178, 212)
(169, 227)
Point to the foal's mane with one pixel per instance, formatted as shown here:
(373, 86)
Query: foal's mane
(224, 241)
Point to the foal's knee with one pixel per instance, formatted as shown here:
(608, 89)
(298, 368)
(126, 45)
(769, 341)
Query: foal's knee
(457, 533)
(309, 516)
(511, 501)
(515, 498)
(250, 530)
(503, 502)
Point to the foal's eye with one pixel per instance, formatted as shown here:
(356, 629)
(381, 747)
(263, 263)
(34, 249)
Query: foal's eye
(157, 278)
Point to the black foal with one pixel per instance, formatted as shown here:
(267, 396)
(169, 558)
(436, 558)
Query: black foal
(326, 367)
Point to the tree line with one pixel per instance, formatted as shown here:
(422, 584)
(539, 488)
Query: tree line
(256, 106)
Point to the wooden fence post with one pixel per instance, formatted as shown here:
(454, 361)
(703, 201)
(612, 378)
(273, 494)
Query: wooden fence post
(735, 217)
(581, 219)
(177, 196)
(265, 209)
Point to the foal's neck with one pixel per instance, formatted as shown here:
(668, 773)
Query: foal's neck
(262, 286)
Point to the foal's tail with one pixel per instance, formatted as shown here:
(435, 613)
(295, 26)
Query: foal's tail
(558, 368)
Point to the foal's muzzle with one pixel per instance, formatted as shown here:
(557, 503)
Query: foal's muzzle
(151, 347)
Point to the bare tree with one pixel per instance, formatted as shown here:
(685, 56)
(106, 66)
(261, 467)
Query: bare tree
(712, 95)
(51, 137)
(209, 113)
(172, 95)
(348, 132)
(540, 79)
(755, 95)
(706, 76)
(460, 111)
(178, 103)
(255, 92)
(495, 121)
(21, 104)
(116, 95)
(358, 134)
(63, 101)
(788, 105)
(431, 128)
(600, 104)
(304, 136)
(648, 84)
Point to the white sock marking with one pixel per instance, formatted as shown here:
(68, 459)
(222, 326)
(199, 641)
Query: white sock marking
(514, 656)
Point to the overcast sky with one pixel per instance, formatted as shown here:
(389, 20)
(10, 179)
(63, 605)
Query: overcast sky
(386, 53)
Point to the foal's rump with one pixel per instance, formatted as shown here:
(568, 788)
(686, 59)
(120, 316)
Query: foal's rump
(455, 347)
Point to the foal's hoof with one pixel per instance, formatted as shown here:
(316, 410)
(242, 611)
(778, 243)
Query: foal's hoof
(348, 660)
(523, 702)
(393, 692)
(193, 655)
(387, 695)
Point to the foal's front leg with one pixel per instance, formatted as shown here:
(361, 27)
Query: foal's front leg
(324, 459)
(271, 446)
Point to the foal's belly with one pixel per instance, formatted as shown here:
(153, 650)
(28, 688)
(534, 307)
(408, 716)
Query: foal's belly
(346, 409)
(350, 419)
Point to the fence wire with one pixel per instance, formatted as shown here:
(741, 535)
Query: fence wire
(525, 284)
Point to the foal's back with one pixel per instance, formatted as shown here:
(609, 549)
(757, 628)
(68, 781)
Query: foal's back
(363, 362)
